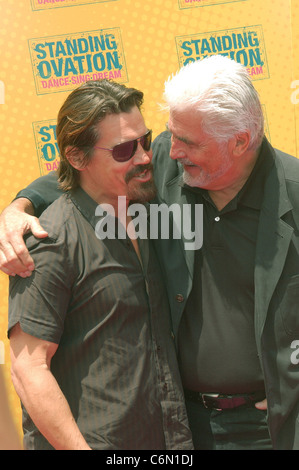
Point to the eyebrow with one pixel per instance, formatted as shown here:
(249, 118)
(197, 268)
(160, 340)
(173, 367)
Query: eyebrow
(185, 140)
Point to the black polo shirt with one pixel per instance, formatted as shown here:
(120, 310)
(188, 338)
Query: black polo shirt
(116, 362)
(217, 348)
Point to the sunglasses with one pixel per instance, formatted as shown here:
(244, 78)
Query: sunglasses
(123, 152)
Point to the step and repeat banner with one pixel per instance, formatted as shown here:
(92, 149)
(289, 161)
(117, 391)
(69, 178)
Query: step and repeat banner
(49, 47)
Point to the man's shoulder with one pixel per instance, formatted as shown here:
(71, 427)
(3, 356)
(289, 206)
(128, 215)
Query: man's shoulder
(163, 137)
(161, 148)
(56, 220)
(287, 168)
(57, 214)
(290, 165)
(165, 169)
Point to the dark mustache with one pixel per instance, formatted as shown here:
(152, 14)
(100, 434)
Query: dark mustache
(137, 170)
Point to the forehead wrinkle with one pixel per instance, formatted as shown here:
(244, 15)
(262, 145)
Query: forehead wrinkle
(185, 140)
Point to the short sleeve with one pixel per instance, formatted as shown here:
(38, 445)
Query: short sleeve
(40, 302)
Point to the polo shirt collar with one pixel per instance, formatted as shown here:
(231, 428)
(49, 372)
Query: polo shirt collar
(85, 204)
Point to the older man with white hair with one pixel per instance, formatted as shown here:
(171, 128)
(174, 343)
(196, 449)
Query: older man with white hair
(237, 312)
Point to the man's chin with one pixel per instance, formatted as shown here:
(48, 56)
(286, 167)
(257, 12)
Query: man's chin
(190, 180)
(145, 192)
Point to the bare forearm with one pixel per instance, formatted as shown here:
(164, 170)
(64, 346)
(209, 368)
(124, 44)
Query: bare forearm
(21, 204)
(49, 410)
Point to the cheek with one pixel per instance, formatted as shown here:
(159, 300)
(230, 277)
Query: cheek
(199, 158)
(119, 174)
(207, 157)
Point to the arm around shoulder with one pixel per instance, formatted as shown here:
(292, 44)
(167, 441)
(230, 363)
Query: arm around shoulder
(41, 192)
(19, 218)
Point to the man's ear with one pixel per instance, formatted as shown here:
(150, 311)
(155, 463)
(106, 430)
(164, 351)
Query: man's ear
(240, 143)
(75, 157)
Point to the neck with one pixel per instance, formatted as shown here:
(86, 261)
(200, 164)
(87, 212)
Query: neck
(223, 197)
(119, 203)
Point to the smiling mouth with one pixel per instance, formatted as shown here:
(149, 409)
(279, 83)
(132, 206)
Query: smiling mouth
(144, 175)
(189, 167)
(141, 173)
(186, 163)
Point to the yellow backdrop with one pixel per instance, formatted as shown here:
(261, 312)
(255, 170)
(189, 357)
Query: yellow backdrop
(48, 47)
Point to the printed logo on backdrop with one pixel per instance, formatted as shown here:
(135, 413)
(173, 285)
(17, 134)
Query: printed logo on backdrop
(46, 145)
(46, 4)
(62, 63)
(244, 45)
(204, 3)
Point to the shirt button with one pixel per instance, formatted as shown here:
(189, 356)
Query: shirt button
(179, 298)
(172, 335)
(217, 219)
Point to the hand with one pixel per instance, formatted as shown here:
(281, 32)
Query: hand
(261, 405)
(15, 222)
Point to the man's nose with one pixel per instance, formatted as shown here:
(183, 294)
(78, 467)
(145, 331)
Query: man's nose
(141, 156)
(176, 151)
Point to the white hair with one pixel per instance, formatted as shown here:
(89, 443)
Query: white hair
(221, 90)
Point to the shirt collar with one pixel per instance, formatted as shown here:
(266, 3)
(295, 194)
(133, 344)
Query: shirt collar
(87, 206)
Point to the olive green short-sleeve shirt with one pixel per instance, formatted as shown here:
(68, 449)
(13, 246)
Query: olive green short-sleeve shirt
(116, 361)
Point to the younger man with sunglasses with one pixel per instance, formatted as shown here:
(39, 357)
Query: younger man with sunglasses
(93, 360)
